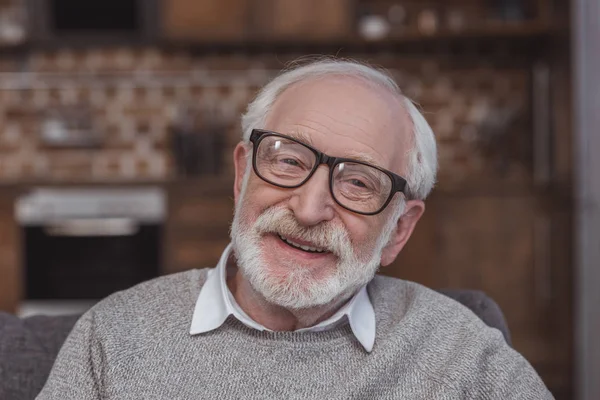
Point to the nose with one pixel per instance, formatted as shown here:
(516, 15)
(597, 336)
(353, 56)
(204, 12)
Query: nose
(312, 203)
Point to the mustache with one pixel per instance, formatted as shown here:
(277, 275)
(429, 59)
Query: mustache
(327, 235)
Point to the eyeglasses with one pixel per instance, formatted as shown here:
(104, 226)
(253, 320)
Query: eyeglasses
(355, 185)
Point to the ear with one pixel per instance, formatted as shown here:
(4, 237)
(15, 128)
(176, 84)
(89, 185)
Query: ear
(240, 162)
(406, 224)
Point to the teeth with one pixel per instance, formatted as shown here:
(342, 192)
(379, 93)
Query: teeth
(306, 248)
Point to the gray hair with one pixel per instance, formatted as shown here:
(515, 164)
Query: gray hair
(422, 162)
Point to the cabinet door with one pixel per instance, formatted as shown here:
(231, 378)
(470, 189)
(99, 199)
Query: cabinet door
(302, 21)
(200, 213)
(10, 274)
(514, 248)
(205, 20)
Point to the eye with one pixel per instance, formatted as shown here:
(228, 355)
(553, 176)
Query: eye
(358, 183)
(290, 161)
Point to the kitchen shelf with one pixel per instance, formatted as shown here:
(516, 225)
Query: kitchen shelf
(518, 34)
(206, 184)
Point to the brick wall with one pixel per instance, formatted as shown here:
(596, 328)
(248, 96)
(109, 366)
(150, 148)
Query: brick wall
(479, 111)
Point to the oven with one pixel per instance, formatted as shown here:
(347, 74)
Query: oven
(81, 245)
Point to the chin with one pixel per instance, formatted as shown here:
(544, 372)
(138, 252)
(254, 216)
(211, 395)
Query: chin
(293, 286)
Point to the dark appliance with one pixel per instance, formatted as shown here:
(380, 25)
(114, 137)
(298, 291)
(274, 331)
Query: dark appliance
(73, 22)
(88, 243)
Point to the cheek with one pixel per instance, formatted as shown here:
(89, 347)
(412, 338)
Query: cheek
(248, 211)
(363, 231)
(258, 198)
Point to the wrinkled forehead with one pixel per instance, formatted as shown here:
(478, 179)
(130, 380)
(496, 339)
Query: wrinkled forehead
(346, 117)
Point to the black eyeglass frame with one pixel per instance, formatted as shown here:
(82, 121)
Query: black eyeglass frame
(399, 184)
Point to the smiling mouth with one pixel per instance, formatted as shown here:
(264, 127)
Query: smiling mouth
(298, 246)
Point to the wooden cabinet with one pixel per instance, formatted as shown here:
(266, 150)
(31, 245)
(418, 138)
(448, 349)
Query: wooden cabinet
(514, 248)
(237, 21)
(206, 20)
(197, 230)
(10, 272)
(303, 21)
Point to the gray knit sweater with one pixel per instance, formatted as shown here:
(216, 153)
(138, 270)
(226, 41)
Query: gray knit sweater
(136, 345)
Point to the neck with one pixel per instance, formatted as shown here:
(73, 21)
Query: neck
(274, 317)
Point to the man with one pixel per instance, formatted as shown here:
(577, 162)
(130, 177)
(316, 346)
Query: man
(329, 184)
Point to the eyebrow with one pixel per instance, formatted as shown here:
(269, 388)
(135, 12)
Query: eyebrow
(296, 134)
(299, 135)
(362, 157)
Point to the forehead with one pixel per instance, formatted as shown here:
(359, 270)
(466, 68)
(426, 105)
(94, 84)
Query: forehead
(345, 117)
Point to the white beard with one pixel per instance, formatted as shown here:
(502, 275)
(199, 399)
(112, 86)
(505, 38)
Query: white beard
(299, 288)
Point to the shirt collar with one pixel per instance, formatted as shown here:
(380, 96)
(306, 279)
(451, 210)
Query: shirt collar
(216, 302)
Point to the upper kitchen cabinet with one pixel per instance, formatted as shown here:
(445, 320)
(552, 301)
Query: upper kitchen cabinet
(254, 21)
(303, 21)
(204, 21)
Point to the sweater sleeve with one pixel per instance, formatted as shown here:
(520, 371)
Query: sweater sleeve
(76, 373)
(504, 374)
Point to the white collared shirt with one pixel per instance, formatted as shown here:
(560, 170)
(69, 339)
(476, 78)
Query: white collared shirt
(216, 302)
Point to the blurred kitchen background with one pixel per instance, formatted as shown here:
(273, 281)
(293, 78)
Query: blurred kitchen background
(118, 119)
